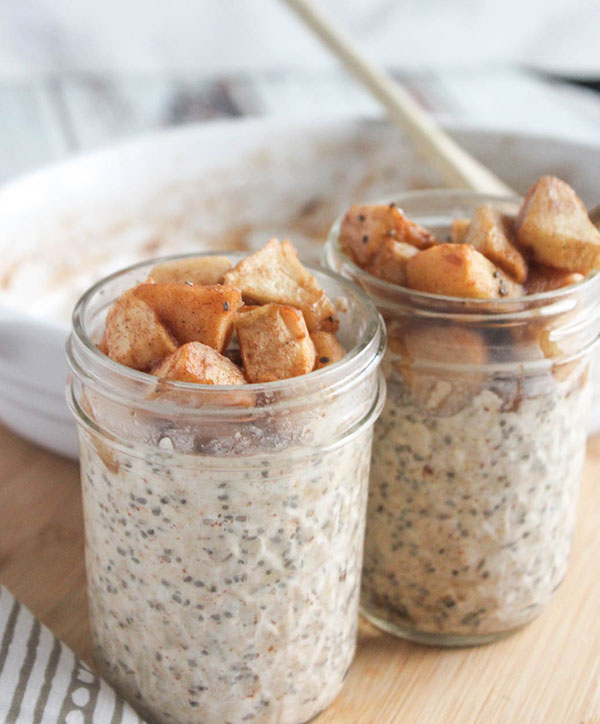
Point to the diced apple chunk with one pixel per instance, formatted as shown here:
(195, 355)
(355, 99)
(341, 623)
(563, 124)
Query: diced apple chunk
(489, 233)
(364, 229)
(457, 270)
(509, 288)
(194, 313)
(441, 344)
(458, 230)
(196, 362)
(389, 263)
(327, 349)
(554, 224)
(443, 392)
(545, 279)
(275, 275)
(201, 270)
(134, 334)
(274, 343)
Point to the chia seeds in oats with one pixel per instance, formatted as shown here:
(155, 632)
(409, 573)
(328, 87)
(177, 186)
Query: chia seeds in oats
(478, 453)
(470, 516)
(266, 585)
(224, 541)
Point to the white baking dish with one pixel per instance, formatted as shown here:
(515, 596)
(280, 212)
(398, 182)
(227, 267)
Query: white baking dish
(227, 184)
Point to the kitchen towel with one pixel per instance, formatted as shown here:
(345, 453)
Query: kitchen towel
(42, 682)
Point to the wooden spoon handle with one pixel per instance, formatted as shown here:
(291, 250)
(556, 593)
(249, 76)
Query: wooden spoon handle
(457, 167)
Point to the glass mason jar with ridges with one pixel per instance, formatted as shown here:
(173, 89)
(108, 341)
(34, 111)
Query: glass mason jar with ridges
(224, 524)
(478, 452)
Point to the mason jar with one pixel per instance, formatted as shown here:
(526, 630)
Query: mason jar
(477, 456)
(224, 525)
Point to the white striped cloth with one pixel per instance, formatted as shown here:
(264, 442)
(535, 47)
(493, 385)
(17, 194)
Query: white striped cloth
(42, 682)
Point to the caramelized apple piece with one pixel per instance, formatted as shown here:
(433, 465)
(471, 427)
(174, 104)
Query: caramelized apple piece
(509, 287)
(274, 342)
(545, 279)
(196, 362)
(489, 232)
(554, 224)
(327, 349)
(275, 275)
(202, 270)
(458, 270)
(134, 335)
(194, 313)
(458, 230)
(389, 263)
(365, 228)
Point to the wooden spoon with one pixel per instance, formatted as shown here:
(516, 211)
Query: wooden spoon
(457, 167)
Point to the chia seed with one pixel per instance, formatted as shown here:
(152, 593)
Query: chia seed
(510, 463)
(220, 581)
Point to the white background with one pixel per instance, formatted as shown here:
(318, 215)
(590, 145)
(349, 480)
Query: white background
(208, 36)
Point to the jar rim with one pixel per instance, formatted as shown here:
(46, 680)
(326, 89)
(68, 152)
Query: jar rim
(504, 307)
(361, 354)
(296, 455)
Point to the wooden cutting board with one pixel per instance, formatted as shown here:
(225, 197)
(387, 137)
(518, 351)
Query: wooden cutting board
(549, 673)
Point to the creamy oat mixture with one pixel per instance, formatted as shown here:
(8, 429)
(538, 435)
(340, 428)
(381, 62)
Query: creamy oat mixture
(223, 595)
(470, 516)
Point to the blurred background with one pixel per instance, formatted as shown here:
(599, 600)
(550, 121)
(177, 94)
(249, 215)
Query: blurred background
(79, 74)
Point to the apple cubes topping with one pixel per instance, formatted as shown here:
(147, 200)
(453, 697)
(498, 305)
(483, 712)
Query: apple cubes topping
(196, 362)
(550, 244)
(179, 324)
(275, 275)
(274, 343)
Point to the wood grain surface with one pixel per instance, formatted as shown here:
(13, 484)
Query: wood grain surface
(548, 673)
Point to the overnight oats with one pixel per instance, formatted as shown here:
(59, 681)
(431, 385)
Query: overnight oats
(225, 418)
(478, 453)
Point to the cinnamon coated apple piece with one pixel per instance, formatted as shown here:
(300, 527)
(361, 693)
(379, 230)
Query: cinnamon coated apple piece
(545, 279)
(134, 334)
(196, 362)
(554, 224)
(458, 270)
(274, 275)
(274, 342)
(327, 349)
(365, 228)
(389, 263)
(458, 230)
(202, 270)
(445, 392)
(194, 313)
(490, 233)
